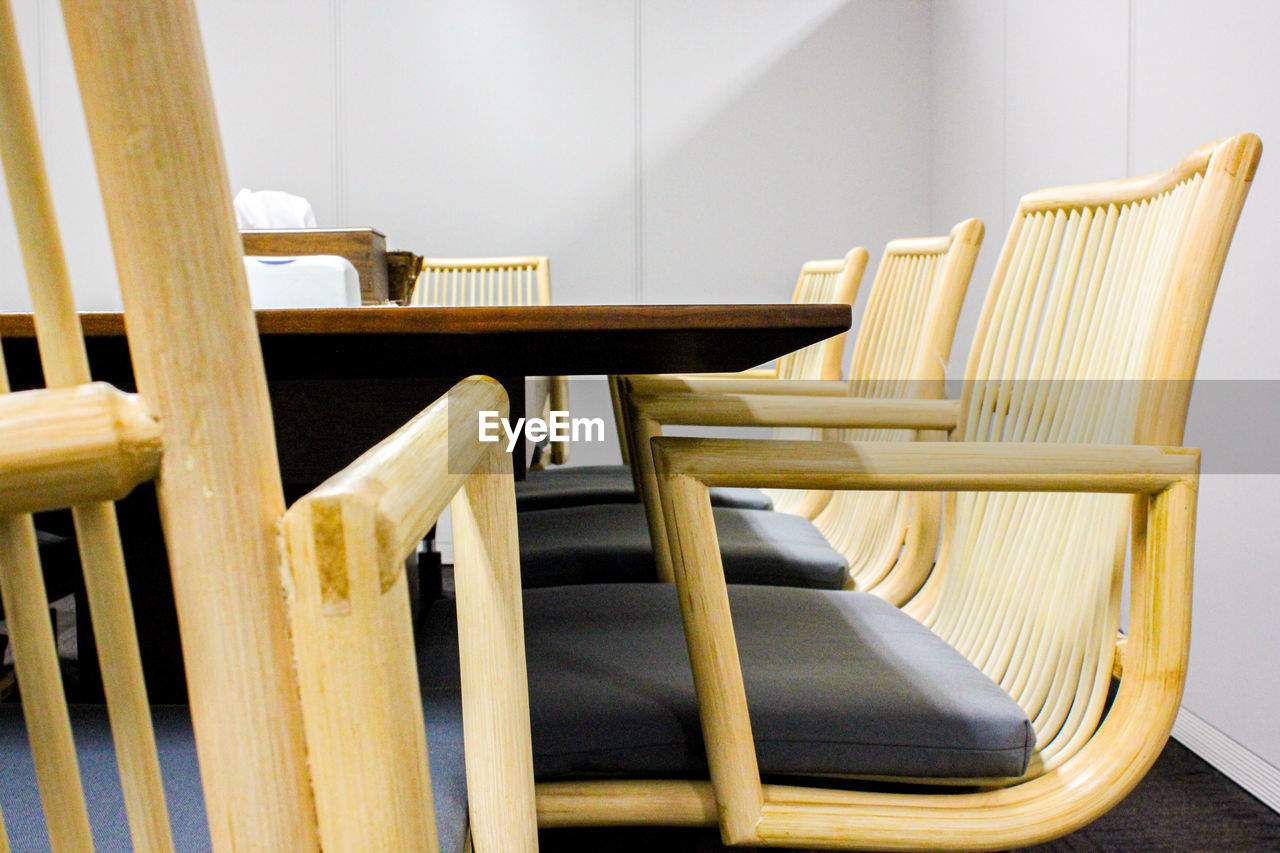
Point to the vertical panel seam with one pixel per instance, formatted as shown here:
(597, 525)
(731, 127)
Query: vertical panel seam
(931, 217)
(1129, 106)
(337, 115)
(638, 115)
(1004, 112)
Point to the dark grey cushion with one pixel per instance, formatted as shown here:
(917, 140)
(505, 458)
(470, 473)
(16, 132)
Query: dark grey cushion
(837, 683)
(582, 485)
(24, 816)
(609, 543)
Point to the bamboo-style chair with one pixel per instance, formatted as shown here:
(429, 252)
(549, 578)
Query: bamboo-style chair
(997, 694)
(830, 281)
(495, 281)
(901, 351)
(304, 702)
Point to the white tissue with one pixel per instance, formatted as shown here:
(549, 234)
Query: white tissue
(273, 209)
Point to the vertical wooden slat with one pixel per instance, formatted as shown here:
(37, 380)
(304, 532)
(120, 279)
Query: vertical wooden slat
(543, 272)
(907, 326)
(368, 797)
(491, 646)
(35, 659)
(65, 363)
(713, 655)
(197, 359)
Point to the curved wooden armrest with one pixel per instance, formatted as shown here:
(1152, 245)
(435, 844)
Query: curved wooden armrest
(796, 411)
(400, 486)
(1123, 746)
(647, 412)
(926, 466)
(72, 446)
(736, 383)
(353, 635)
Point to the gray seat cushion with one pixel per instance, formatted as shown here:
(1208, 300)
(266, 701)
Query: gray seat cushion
(582, 485)
(24, 816)
(609, 543)
(837, 682)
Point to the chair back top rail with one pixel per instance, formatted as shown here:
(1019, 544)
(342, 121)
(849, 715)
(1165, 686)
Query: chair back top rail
(530, 261)
(1128, 190)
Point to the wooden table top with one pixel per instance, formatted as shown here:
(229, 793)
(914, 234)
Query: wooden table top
(395, 341)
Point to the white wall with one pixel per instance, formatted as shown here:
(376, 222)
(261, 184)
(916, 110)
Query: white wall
(66, 143)
(657, 151)
(1032, 94)
(772, 133)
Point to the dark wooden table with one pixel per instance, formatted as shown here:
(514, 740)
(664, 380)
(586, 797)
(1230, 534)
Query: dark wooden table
(342, 379)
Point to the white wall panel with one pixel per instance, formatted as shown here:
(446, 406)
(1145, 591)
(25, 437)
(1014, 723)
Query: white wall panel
(966, 139)
(1203, 70)
(775, 133)
(1066, 95)
(72, 175)
(271, 66)
(497, 128)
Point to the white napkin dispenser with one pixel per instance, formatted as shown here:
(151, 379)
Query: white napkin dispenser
(307, 281)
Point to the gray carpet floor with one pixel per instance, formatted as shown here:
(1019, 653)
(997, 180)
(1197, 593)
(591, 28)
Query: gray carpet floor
(1182, 806)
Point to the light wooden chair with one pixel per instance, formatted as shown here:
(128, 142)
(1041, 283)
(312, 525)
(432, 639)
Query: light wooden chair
(495, 281)
(902, 347)
(830, 281)
(901, 351)
(483, 281)
(820, 281)
(330, 754)
(1063, 450)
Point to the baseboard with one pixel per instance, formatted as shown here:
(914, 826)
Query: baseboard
(1228, 756)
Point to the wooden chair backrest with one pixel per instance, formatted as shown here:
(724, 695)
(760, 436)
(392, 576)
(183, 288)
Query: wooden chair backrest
(495, 282)
(203, 397)
(483, 281)
(901, 351)
(1090, 334)
(820, 282)
(824, 282)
